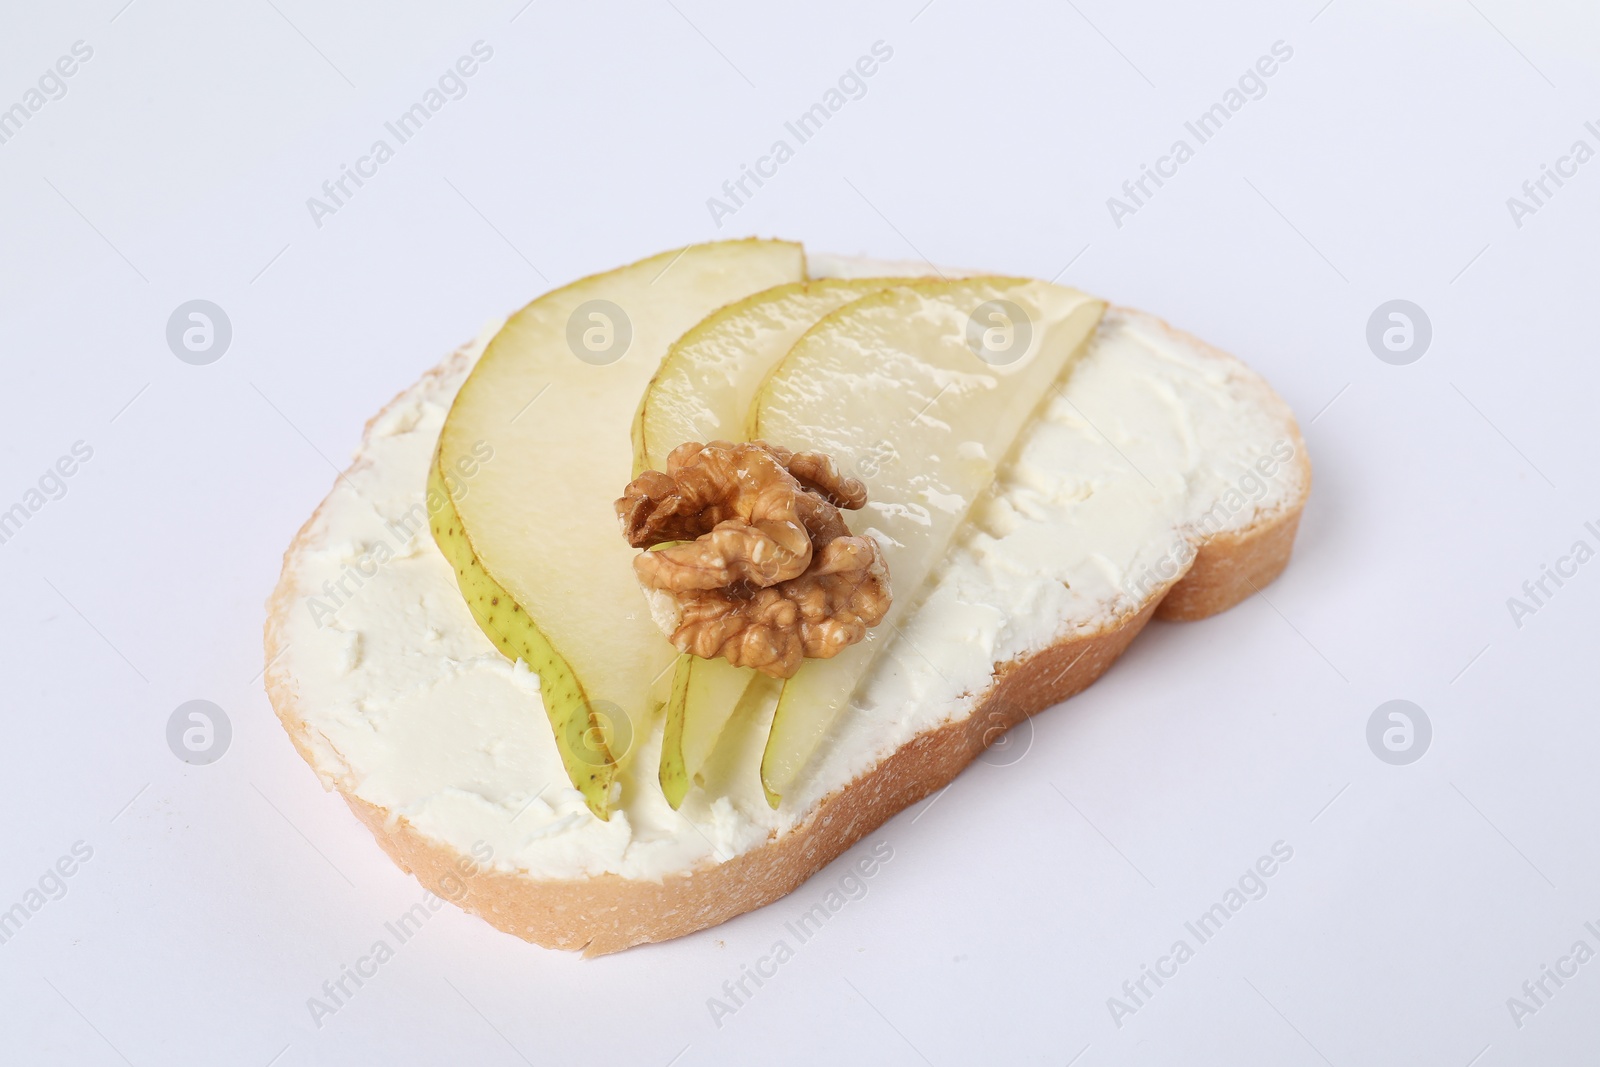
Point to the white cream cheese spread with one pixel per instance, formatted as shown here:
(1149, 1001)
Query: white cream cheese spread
(1151, 442)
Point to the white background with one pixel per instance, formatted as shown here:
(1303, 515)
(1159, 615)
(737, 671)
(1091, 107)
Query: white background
(1377, 166)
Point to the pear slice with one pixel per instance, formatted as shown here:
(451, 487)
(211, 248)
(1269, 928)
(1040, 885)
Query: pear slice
(672, 775)
(924, 389)
(703, 392)
(709, 378)
(705, 693)
(534, 537)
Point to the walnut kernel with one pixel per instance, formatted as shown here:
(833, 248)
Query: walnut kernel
(758, 566)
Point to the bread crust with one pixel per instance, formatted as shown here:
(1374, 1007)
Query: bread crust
(608, 913)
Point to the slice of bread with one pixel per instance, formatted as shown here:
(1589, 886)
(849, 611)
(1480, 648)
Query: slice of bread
(608, 909)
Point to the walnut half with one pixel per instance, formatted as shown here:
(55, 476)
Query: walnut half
(759, 566)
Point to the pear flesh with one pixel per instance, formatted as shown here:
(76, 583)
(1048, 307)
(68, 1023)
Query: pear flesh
(710, 376)
(921, 391)
(533, 536)
(703, 391)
